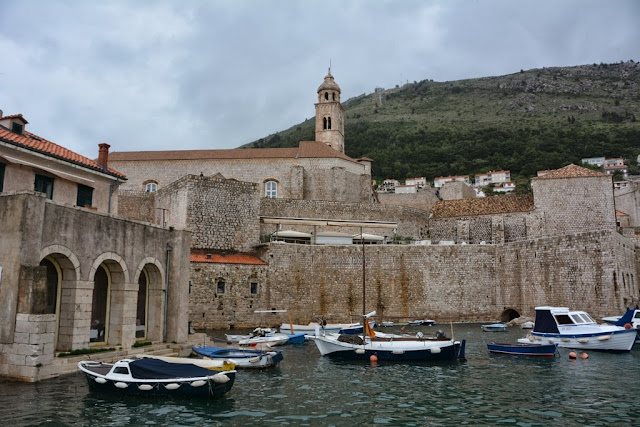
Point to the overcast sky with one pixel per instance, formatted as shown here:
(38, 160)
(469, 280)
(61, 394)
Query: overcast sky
(187, 74)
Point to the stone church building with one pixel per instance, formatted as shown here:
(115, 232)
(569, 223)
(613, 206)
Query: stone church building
(315, 170)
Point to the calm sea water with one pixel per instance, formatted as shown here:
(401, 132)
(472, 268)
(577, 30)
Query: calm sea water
(307, 389)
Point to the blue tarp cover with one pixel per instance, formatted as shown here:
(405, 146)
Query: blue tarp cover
(545, 323)
(159, 369)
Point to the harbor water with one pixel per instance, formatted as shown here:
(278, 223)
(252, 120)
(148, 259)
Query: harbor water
(307, 389)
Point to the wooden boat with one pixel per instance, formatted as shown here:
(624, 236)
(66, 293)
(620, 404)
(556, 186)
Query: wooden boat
(495, 327)
(243, 358)
(577, 330)
(218, 364)
(153, 377)
(523, 349)
(389, 347)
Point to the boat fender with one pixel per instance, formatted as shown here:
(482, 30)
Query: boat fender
(121, 385)
(145, 387)
(419, 335)
(583, 340)
(272, 353)
(359, 350)
(100, 380)
(565, 339)
(254, 359)
(172, 386)
(398, 351)
(551, 341)
(220, 379)
(435, 350)
(604, 337)
(198, 383)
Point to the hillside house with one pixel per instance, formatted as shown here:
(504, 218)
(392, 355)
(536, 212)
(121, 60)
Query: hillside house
(492, 177)
(441, 180)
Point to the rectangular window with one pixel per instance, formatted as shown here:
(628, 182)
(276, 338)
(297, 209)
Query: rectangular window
(85, 196)
(17, 128)
(254, 288)
(44, 184)
(220, 287)
(1, 177)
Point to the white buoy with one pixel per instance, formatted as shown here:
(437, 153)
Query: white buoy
(100, 380)
(398, 351)
(435, 350)
(220, 379)
(583, 340)
(145, 387)
(198, 383)
(604, 337)
(360, 351)
(172, 386)
(255, 359)
(121, 385)
(565, 339)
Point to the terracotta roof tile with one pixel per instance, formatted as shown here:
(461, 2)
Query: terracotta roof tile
(571, 171)
(14, 116)
(38, 144)
(306, 149)
(483, 206)
(227, 259)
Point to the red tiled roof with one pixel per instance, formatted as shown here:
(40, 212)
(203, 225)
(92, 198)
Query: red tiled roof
(227, 259)
(571, 171)
(306, 149)
(38, 144)
(14, 116)
(493, 205)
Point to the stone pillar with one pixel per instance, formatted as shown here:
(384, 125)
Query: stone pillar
(297, 183)
(497, 229)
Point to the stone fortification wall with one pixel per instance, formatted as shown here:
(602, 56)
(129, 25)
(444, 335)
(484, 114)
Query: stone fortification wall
(137, 205)
(318, 179)
(411, 222)
(221, 213)
(423, 200)
(236, 306)
(486, 228)
(456, 190)
(628, 201)
(575, 205)
(460, 282)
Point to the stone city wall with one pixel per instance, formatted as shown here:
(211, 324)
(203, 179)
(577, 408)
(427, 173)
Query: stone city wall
(137, 205)
(594, 271)
(422, 200)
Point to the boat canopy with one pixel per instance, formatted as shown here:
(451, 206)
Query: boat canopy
(545, 322)
(626, 318)
(159, 369)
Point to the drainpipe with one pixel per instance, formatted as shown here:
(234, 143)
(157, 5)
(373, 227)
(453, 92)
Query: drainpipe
(166, 291)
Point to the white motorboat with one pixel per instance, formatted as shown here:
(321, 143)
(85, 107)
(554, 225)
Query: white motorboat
(577, 330)
(311, 327)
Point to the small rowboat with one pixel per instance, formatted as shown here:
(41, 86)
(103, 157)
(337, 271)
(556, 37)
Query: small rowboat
(495, 327)
(243, 358)
(521, 349)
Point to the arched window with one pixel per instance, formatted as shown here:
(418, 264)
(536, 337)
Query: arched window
(329, 123)
(326, 96)
(334, 96)
(324, 123)
(271, 189)
(151, 187)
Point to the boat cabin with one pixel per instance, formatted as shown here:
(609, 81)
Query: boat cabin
(549, 318)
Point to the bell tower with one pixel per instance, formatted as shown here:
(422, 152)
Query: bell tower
(330, 114)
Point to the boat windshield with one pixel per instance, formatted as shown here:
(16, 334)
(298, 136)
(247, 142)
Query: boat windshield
(577, 318)
(637, 315)
(563, 319)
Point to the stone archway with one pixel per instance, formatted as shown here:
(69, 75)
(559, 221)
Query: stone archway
(150, 274)
(110, 305)
(63, 271)
(508, 315)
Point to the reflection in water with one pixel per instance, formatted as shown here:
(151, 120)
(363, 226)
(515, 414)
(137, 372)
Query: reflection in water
(308, 389)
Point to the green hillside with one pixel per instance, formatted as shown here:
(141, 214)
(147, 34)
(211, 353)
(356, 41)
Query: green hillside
(523, 122)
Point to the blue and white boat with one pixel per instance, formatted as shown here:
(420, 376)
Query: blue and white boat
(153, 377)
(243, 358)
(631, 317)
(523, 349)
(495, 327)
(577, 330)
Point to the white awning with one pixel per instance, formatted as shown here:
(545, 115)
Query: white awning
(291, 234)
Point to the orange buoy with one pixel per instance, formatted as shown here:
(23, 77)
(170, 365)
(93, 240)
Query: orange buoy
(572, 355)
(373, 358)
(627, 325)
(584, 356)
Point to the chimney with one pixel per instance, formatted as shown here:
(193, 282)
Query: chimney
(208, 256)
(103, 154)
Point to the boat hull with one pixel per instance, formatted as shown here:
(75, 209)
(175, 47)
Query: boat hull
(401, 351)
(245, 359)
(522, 349)
(619, 341)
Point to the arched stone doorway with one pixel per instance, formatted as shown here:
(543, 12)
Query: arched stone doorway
(100, 306)
(150, 301)
(109, 301)
(508, 315)
(62, 273)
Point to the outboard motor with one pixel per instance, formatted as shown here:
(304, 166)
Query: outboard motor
(440, 334)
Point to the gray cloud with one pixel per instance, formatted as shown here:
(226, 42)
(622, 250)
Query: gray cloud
(218, 74)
